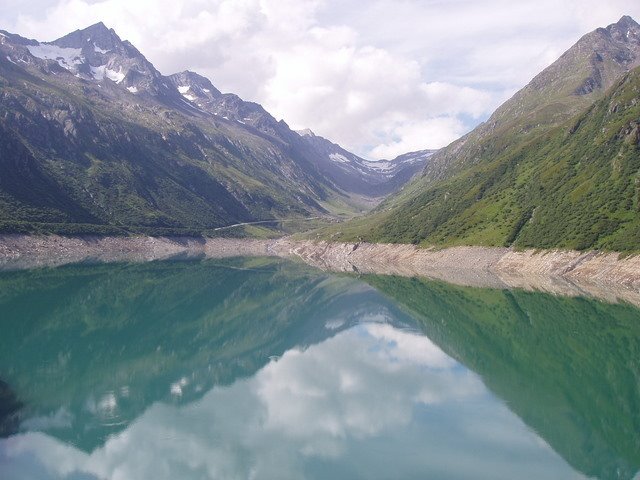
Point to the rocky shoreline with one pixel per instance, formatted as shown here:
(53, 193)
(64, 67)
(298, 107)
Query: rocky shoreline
(600, 275)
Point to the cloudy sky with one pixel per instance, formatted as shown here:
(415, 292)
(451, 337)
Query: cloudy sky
(380, 77)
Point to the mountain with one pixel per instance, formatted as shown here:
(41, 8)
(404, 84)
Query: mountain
(347, 171)
(355, 174)
(555, 166)
(564, 89)
(94, 139)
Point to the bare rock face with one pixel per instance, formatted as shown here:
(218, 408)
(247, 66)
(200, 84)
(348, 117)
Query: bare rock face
(631, 133)
(618, 44)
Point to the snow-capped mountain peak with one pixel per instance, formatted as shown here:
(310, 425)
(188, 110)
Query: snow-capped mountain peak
(307, 132)
(95, 53)
(354, 173)
(101, 63)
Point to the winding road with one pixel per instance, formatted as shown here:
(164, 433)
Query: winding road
(265, 221)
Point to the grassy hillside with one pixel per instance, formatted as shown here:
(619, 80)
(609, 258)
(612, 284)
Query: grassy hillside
(554, 167)
(80, 155)
(575, 186)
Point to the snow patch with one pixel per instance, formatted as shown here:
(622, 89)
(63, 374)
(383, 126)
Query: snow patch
(206, 90)
(113, 75)
(184, 89)
(380, 166)
(307, 132)
(99, 73)
(67, 58)
(338, 157)
(99, 50)
(191, 98)
(190, 105)
(9, 58)
(133, 89)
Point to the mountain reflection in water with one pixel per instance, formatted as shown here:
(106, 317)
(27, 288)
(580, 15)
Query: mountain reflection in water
(259, 368)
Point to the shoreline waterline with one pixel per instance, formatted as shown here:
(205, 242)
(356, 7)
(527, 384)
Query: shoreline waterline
(600, 275)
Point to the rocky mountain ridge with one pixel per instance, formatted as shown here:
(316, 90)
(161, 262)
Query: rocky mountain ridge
(97, 52)
(569, 85)
(379, 177)
(93, 134)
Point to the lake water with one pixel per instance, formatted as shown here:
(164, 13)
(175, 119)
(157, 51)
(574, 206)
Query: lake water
(265, 369)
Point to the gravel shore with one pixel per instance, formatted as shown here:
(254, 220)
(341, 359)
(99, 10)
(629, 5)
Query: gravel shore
(601, 275)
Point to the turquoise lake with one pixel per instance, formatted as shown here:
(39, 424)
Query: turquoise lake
(255, 368)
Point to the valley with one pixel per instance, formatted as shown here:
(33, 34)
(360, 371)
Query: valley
(431, 271)
(96, 141)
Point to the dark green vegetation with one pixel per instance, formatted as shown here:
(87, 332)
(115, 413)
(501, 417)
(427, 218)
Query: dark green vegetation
(115, 171)
(569, 367)
(538, 173)
(75, 336)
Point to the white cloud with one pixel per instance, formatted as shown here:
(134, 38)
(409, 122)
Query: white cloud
(402, 137)
(366, 75)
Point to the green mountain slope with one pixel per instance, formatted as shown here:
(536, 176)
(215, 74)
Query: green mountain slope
(564, 89)
(94, 138)
(536, 174)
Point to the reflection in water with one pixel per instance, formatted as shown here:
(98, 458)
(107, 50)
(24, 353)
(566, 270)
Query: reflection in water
(319, 412)
(9, 408)
(263, 369)
(93, 346)
(569, 367)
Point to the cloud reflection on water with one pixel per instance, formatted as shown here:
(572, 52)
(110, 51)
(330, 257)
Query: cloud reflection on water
(371, 402)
